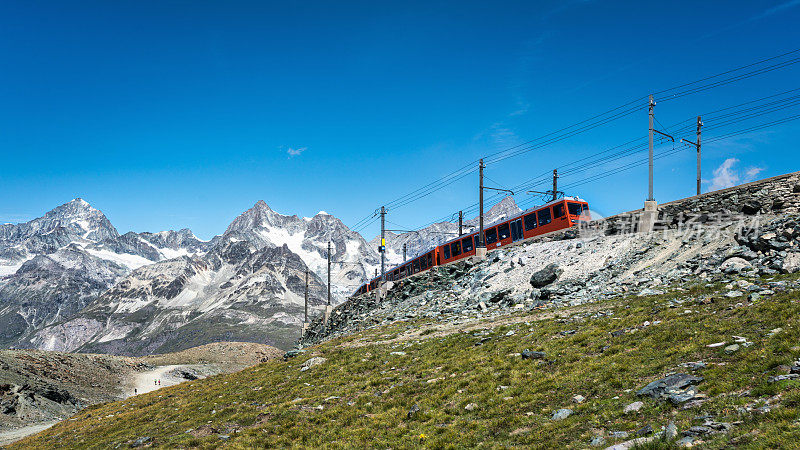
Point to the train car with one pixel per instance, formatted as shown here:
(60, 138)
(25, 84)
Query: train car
(553, 216)
(556, 215)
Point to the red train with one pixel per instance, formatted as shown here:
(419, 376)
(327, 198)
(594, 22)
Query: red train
(554, 216)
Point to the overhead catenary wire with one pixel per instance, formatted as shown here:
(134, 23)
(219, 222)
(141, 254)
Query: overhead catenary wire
(700, 85)
(765, 109)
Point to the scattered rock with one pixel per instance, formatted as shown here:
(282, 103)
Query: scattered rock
(528, 354)
(315, 361)
(598, 441)
(412, 411)
(562, 414)
(671, 431)
(732, 348)
(664, 387)
(547, 275)
(751, 207)
(141, 441)
(633, 407)
(291, 354)
(578, 399)
(471, 407)
(735, 265)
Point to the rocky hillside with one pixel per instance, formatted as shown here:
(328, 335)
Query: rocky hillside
(700, 363)
(752, 229)
(575, 271)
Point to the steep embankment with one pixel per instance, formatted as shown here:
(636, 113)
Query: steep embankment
(556, 378)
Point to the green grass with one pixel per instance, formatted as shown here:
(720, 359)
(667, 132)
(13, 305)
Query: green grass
(366, 393)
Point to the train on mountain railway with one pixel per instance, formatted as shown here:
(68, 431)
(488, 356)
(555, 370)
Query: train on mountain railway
(556, 215)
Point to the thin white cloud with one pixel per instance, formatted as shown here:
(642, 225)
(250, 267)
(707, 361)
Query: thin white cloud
(777, 8)
(727, 175)
(753, 172)
(295, 151)
(503, 135)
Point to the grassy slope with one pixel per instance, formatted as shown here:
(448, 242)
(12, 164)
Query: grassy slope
(365, 392)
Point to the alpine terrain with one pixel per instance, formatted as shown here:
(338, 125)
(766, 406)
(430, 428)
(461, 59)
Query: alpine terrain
(70, 282)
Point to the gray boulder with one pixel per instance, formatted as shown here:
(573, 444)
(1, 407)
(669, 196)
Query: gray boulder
(528, 354)
(663, 387)
(562, 414)
(547, 275)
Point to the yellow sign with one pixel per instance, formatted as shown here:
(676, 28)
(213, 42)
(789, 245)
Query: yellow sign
(383, 242)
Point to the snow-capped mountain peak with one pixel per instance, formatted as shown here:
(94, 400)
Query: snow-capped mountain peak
(77, 217)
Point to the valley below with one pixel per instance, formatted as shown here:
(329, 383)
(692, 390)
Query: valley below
(41, 388)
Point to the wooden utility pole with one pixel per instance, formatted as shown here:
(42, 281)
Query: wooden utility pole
(404, 252)
(460, 223)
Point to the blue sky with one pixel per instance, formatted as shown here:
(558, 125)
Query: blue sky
(176, 114)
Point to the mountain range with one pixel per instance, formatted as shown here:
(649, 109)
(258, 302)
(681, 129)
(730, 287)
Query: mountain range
(69, 281)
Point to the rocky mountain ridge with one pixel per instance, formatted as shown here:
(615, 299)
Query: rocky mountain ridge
(70, 281)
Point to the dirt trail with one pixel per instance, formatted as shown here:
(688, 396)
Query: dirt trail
(9, 437)
(144, 382)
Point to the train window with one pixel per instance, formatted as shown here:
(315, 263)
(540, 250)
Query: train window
(416, 266)
(575, 209)
(530, 221)
(455, 247)
(502, 230)
(467, 244)
(558, 210)
(544, 217)
(446, 249)
(430, 259)
(423, 263)
(491, 236)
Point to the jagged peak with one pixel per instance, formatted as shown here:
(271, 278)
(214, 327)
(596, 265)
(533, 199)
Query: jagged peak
(76, 204)
(507, 203)
(261, 204)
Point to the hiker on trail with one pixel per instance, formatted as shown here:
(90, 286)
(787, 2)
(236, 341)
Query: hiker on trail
(155, 382)
(159, 382)
(134, 391)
